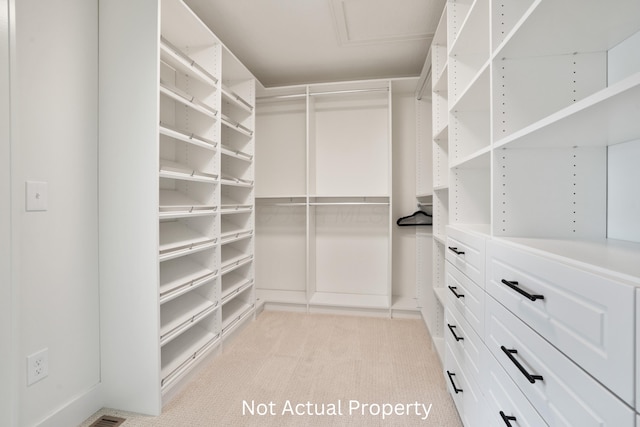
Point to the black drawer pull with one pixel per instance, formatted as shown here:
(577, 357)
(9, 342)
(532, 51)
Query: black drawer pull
(456, 251)
(453, 289)
(507, 418)
(456, 389)
(514, 285)
(451, 327)
(532, 378)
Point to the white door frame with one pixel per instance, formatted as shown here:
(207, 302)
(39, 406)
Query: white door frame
(8, 309)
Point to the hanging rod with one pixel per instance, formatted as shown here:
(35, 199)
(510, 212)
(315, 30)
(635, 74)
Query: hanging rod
(285, 204)
(297, 95)
(335, 92)
(349, 204)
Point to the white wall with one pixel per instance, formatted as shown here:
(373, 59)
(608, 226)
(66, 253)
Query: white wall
(54, 116)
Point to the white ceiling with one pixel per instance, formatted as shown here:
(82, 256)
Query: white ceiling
(286, 42)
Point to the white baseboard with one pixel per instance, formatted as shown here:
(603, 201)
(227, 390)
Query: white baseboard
(76, 410)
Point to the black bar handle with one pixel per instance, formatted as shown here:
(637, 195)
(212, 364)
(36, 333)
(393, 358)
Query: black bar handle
(532, 378)
(456, 389)
(453, 289)
(507, 419)
(451, 327)
(455, 250)
(514, 285)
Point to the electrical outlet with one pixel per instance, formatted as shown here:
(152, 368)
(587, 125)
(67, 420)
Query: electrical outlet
(37, 366)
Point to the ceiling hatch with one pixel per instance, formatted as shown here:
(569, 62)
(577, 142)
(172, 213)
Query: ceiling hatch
(384, 21)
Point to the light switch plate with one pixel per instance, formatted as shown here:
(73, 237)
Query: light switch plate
(36, 196)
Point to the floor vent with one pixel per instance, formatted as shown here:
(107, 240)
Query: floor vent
(108, 421)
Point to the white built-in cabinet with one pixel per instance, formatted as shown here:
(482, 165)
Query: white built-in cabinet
(324, 196)
(536, 237)
(176, 198)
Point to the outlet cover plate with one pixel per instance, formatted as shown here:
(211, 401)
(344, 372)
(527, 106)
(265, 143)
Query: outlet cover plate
(37, 366)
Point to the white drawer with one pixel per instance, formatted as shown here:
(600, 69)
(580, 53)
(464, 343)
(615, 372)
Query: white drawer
(560, 391)
(588, 317)
(465, 344)
(466, 251)
(466, 297)
(506, 405)
(464, 390)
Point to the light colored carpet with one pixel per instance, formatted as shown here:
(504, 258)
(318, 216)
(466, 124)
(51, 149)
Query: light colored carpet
(295, 366)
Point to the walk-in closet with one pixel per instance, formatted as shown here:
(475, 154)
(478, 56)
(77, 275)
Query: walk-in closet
(322, 212)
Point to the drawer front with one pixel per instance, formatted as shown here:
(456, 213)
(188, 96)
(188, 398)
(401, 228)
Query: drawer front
(466, 251)
(588, 317)
(505, 400)
(464, 390)
(464, 343)
(560, 391)
(466, 297)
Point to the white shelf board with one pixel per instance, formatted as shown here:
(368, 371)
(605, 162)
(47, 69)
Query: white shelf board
(231, 124)
(481, 159)
(236, 182)
(233, 284)
(232, 257)
(475, 97)
(188, 100)
(441, 294)
(473, 35)
(182, 352)
(187, 137)
(442, 135)
(236, 154)
(349, 300)
(283, 297)
(233, 310)
(182, 27)
(607, 117)
(235, 235)
(179, 60)
(174, 170)
(229, 205)
(176, 235)
(236, 99)
(616, 259)
(182, 275)
(180, 314)
(173, 200)
(440, 238)
(442, 82)
(404, 303)
(241, 313)
(483, 230)
(595, 28)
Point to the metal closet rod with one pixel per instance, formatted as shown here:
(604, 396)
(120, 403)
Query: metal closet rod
(335, 92)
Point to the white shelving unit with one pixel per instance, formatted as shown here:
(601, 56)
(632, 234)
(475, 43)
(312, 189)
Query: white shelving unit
(433, 313)
(332, 202)
(176, 196)
(542, 100)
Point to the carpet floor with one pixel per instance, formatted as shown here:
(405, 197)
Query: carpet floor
(296, 369)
